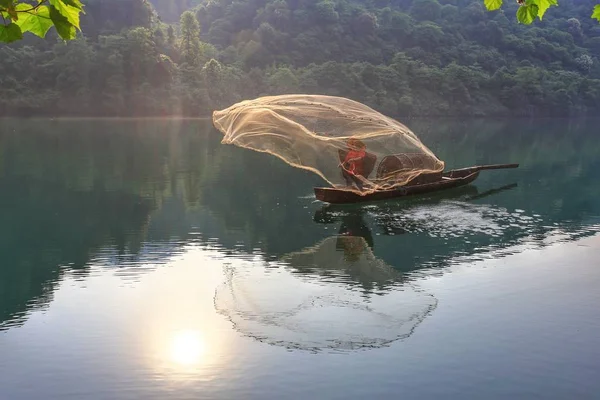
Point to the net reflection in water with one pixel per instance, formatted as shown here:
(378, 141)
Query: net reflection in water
(323, 298)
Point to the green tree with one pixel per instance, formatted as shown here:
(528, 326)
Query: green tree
(283, 81)
(72, 66)
(190, 38)
(171, 35)
(426, 10)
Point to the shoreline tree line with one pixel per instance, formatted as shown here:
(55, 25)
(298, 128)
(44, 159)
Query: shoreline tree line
(402, 57)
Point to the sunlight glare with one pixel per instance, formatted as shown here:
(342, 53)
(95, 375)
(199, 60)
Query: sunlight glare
(187, 347)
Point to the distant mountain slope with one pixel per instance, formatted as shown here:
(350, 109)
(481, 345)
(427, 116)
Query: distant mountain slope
(299, 32)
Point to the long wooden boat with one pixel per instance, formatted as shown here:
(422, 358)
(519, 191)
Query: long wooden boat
(446, 180)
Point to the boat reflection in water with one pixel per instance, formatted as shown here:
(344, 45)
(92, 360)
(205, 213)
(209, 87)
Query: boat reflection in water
(441, 230)
(334, 296)
(340, 295)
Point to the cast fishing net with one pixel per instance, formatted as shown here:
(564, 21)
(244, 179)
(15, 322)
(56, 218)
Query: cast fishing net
(317, 132)
(335, 296)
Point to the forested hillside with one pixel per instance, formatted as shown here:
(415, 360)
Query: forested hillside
(402, 57)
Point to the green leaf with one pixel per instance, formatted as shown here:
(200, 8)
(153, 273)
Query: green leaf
(67, 11)
(596, 13)
(5, 3)
(65, 29)
(543, 5)
(37, 22)
(492, 5)
(10, 33)
(74, 3)
(526, 14)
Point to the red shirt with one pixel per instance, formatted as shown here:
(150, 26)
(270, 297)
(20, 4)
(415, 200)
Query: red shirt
(354, 161)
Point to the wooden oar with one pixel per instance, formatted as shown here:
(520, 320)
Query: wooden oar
(490, 166)
(495, 166)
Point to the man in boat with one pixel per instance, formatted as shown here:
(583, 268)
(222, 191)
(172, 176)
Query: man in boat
(353, 165)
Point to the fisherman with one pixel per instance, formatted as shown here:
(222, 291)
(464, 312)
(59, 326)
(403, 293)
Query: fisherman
(353, 165)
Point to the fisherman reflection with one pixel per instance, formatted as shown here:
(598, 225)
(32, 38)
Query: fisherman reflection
(354, 225)
(354, 246)
(352, 222)
(344, 259)
(354, 235)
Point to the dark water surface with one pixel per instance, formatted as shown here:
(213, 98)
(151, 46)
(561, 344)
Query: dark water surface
(145, 260)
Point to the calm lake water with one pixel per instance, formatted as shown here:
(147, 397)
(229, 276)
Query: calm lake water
(145, 260)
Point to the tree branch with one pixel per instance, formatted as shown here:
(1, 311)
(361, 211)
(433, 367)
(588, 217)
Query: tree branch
(33, 8)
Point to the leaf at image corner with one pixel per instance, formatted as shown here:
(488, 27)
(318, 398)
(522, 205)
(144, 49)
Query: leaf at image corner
(74, 3)
(67, 11)
(10, 33)
(37, 22)
(596, 13)
(526, 14)
(65, 29)
(543, 5)
(492, 5)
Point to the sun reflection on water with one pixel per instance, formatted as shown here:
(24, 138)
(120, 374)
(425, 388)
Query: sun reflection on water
(187, 348)
(181, 329)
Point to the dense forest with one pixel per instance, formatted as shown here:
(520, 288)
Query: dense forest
(403, 57)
